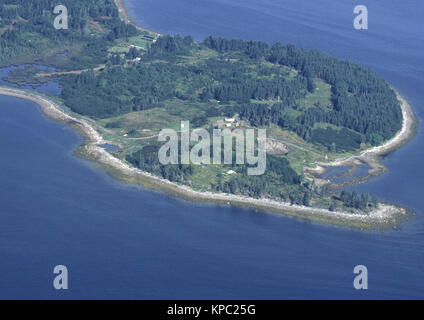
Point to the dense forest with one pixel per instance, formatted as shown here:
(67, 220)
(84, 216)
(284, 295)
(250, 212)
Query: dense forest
(358, 201)
(125, 89)
(257, 83)
(26, 29)
(362, 101)
(280, 181)
(261, 84)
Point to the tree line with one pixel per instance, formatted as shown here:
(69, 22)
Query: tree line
(362, 101)
(279, 182)
(29, 28)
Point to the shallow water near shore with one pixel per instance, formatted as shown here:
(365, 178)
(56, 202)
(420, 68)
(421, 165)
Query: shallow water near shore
(49, 87)
(120, 242)
(109, 147)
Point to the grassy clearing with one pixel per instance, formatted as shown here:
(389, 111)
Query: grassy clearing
(321, 96)
(124, 45)
(132, 130)
(148, 122)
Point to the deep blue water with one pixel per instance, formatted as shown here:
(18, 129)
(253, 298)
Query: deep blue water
(122, 242)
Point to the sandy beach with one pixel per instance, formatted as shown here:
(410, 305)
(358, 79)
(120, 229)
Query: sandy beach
(385, 215)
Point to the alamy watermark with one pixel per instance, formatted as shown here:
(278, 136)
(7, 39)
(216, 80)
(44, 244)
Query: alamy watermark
(361, 280)
(177, 150)
(60, 21)
(361, 20)
(60, 282)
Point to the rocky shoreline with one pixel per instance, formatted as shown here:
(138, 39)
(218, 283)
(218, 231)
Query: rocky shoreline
(371, 156)
(386, 215)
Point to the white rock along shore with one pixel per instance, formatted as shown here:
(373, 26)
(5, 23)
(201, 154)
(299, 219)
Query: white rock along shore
(384, 215)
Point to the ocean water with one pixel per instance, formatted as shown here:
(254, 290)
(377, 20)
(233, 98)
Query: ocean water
(122, 241)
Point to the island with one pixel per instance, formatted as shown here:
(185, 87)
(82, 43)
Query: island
(122, 84)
